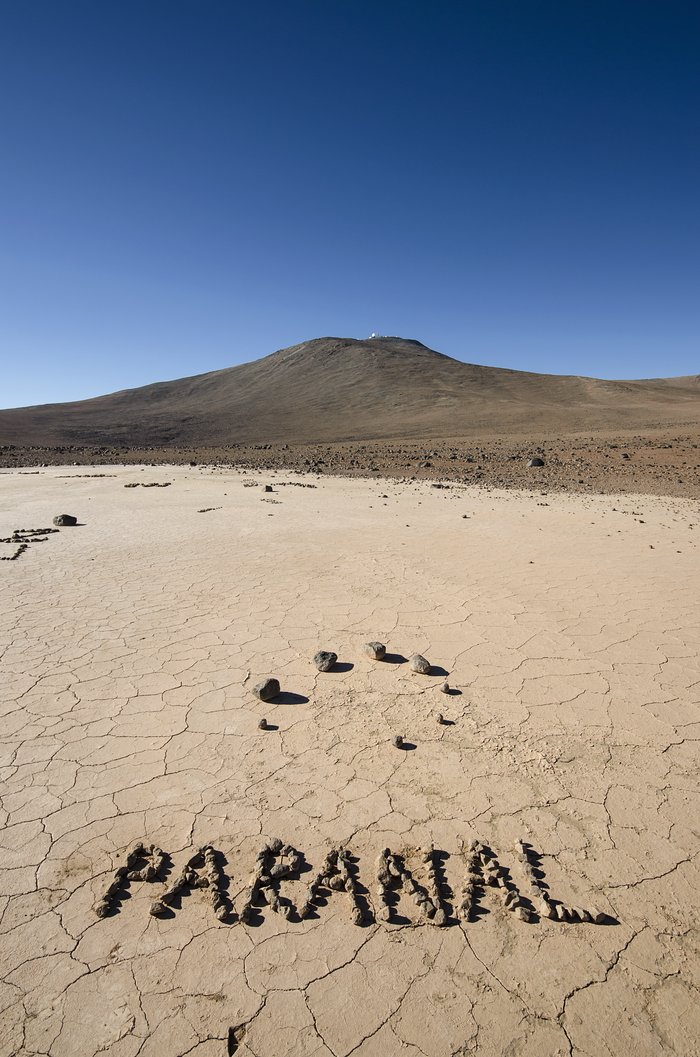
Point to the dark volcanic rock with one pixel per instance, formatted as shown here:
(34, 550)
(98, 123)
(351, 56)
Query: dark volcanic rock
(65, 519)
(268, 689)
(536, 462)
(324, 660)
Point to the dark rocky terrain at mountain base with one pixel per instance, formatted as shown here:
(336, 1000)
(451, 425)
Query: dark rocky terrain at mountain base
(659, 462)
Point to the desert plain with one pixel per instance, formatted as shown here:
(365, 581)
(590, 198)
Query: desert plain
(567, 626)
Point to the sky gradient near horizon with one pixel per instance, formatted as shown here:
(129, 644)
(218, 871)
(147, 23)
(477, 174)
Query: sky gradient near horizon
(190, 185)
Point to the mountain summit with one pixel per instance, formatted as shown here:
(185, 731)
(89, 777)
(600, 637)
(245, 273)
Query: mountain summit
(338, 389)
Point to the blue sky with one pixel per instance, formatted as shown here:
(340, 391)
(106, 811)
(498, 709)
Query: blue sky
(186, 186)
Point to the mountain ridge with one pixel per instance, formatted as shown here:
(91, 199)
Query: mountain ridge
(344, 389)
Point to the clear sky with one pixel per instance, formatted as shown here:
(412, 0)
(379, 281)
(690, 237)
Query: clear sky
(189, 185)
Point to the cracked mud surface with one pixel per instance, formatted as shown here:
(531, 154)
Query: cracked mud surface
(129, 648)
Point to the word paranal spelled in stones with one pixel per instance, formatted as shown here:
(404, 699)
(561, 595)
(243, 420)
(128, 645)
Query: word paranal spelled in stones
(437, 901)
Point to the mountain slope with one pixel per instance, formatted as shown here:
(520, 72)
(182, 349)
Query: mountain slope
(335, 389)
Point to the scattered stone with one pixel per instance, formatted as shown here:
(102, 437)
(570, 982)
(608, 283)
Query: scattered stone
(324, 660)
(267, 488)
(262, 725)
(267, 689)
(375, 650)
(65, 519)
(397, 741)
(445, 688)
(419, 664)
(536, 462)
(440, 718)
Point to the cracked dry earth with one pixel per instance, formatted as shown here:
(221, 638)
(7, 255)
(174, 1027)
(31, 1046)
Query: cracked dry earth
(569, 626)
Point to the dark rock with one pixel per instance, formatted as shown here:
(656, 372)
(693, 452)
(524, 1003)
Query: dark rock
(536, 462)
(397, 741)
(324, 660)
(65, 519)
(268, 689)
(267, 488)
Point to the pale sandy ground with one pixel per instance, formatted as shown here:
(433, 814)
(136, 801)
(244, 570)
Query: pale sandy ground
(130, 645)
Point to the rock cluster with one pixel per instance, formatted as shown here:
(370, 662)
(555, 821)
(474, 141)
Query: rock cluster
(190, 877)
(155, 860)
(433, 870)
(23, 537)
(266, 876)
(497, 877)
(473, 881)
(546, 907)
(483, 868)
(392, 873)
(335, 875)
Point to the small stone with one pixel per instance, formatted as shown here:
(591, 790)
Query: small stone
(536, 462)
(268, 689)
(262, 725)
(523, 913)
(375, 650)
(267, 488)
(397, 741)
(445, 688)
(324, 660)
(65, 519)
(419, 664)
(545, 909)
(440, 718)
(598, 916)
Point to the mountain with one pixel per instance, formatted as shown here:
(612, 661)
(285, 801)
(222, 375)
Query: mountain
(337, 389)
